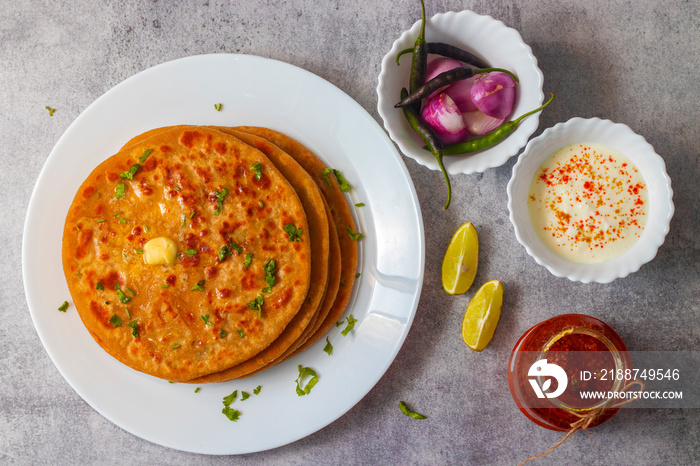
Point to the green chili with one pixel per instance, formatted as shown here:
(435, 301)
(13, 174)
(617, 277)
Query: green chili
(493, 138)
(419, 64)
(445, 79)
(450, 51)
(412, 114)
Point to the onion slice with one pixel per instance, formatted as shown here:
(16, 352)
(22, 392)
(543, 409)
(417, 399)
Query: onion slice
(441, 114)
(479, 123)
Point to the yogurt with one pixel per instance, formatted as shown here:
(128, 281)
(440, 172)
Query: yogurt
(588, 203)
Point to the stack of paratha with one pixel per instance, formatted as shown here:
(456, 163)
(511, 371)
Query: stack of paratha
(264, 264)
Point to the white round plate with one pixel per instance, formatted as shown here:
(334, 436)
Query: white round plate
(259, 92)
(616, 136)
(502, 47)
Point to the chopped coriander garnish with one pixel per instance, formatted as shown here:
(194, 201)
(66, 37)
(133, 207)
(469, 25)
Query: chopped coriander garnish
(98, 195)
(240, 333)
(177, 188)
(120, 294)
(342, 282)
(63, 307)
(232, 414)
(122, 220)
(257, 389)
(328, 348)
(51, 110)
(324, 175)
(175, 346)
(138, 251)
(129, 174)
(303, 372)
(360, 204)
(100, 220)
(261, 204)
(228, 399)
(236, 247)
(357, 275)
(218, 107)
(115, 320)
(293, 232)
(269, 269)
(192, 214)
(128, 314)
(183, 221)
(353, 235)
(222, 333)
(256, 304)
(99, 286)
(77, 228)
(199, 286)
(106, 302)
(165, 286)
(257, 169)
(205, 318)
(223, 252)
(134, 328)
(196, 390)
(119, 191)
(245, 396)
(220, 200)
(351, 324)
(145, 155)
(412, 414)
(247, 261)
(146, 229)
(191, 252)
(339, 323)
(342, 182)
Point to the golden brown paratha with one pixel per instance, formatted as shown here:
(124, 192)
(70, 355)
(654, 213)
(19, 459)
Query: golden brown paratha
(322, 252)
(313, 203)
(198, 187)
(342, 218)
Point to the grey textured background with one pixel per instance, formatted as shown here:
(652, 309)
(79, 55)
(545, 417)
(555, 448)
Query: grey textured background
(634, 62)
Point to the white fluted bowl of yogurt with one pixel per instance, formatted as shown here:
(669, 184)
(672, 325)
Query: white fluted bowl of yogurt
(590, 200)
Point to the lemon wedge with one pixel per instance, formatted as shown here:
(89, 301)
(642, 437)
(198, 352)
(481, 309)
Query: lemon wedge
(461, 260)
(482, 315)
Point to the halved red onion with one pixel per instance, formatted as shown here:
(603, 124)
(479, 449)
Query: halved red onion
(461, 93)
(441, 113)
(440, 65)
(479, 123)
(493, 94)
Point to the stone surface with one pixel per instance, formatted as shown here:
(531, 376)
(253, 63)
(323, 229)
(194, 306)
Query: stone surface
(634, 62)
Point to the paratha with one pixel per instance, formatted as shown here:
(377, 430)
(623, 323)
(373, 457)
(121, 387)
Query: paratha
(211, 309)
(342, 218)
(324, 254)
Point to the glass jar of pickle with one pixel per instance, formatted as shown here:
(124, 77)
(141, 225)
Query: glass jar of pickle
(555, 363)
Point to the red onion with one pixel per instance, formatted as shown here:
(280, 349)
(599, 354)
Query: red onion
(440, 65)
(461, 93)
(493, 94)
(441, 114)
(479, 124)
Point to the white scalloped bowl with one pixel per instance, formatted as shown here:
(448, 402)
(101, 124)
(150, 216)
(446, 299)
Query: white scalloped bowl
(484, 36)
(615, 136)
